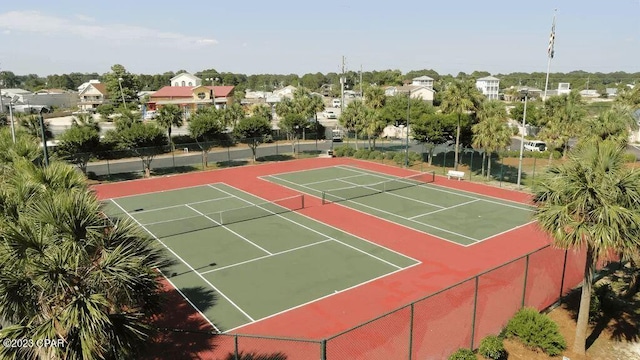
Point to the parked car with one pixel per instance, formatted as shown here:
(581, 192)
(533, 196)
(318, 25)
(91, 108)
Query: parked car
(535, 145)
(330, 114)
(151, 114)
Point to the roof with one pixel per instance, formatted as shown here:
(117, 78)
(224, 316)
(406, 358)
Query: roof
(187, 91)
(423, 77)
(14, 91)
(185, 74)
(100, 87)
(488, 78)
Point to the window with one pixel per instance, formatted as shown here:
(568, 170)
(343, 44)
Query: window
(201, 95)
(190, 83)
(183, 83)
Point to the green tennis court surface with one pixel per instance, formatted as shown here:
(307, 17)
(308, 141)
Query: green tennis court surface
(250, 258)
(453, 215)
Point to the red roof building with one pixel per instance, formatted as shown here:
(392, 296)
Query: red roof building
(192, 98)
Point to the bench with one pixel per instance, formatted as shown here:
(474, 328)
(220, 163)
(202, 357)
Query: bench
(455, 174)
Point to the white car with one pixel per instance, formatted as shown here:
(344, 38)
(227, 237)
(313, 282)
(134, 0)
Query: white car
(151, 114)
(330, 114)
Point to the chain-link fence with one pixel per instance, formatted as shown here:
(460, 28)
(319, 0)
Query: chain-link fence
(433, 327)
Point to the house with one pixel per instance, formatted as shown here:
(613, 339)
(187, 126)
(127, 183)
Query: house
(18, 95)
(92, 95)
(192, 98)
(286, 91)
(611, 92)
(489, 86)
(564, 88)
(589, 93)
(417, 92)
(58, 98)
(423, 81)
(326, 90)
(186, 79)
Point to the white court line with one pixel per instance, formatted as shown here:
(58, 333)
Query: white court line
(322, 298)
(450, 207)
(506, 231)
(315, 231)
(323, 181)
(369, 214)
(153, 192)
(189, 301)
(333, 227)
(393, 194)
(433, 186)
(180, 205)
(265, 256)
(231, 231)
(184, 262)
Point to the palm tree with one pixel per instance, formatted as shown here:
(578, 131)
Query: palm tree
(492, 132)
(590, 202)
(233, 114)
(374, 97)
(459, 97)
(67, 273)
(614, 124)
(354, 117)
(167, 117)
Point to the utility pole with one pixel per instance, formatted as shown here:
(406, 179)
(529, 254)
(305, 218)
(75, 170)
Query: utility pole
(361, 93)
(342, 80)
(1, 104)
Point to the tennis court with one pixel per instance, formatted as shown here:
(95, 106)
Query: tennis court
(252, 258)
(415, 202)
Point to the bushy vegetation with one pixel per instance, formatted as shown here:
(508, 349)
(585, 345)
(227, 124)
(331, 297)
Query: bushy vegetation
(536, 331)
(463, 354)
(530, 154)
(492, 347)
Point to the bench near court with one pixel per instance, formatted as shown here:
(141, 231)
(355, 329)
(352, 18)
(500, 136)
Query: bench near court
(455, 174)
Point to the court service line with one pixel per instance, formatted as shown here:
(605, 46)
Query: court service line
(351, 208)
(322, 297)
(266, 256)
(180, 205)
(506, 231)
(229, 230)
(153, 192)
(439, 188)
(315, 231)
(323, 181)
(439, 210)
(184, 262)
(341, 230)
(392, 193)
(189, 301)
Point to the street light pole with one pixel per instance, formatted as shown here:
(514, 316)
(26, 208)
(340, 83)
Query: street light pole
(124, 104)
(406, 128)
(44, 141)
(524, 123)
(13, 129)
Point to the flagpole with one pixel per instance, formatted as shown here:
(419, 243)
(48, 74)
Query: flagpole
(550, 52)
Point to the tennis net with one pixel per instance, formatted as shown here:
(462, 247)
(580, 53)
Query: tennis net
(202, 221)
(357, 191)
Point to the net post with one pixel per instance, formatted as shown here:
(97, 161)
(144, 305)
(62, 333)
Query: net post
(324, 196)
(526, 275)
(411, 331)
(220, 215)
(473, 316)
(236, 355)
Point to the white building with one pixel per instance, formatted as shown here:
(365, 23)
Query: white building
(489, 86)
(417, 92)
(423, 81)
(564, 88)
(186, 79)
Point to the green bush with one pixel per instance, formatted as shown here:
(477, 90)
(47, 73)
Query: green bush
(376, 155)
(492, 347)
(362, 154)
(398, 158)
(390, 155)
(463, 354)
(530, 154)
(536, 331)
(343, 150)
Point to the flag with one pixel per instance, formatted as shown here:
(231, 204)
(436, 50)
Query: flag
(552, 39)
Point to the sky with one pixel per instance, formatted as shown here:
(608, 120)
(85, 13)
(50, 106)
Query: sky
(297, 37)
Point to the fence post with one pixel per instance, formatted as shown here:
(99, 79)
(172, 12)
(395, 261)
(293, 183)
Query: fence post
(526, 275)
(564, 269)
(173, 157)
(108, 170)
(323, 350)
(475, 307)
(235, 345)
(471, 165)
(229, 154)
(444, 163)
(411, 333)
(533, 174)
(501, 171)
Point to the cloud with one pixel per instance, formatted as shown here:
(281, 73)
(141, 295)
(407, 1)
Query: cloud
(36, 22)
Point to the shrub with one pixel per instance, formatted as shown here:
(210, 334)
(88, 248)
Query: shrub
(414, 157)
(343, 150)
(629, 158)
(536, 331)
(362, 154)
(376, 155)
(398, 158)
(463, 354)
(390, 155)
(492, 347)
